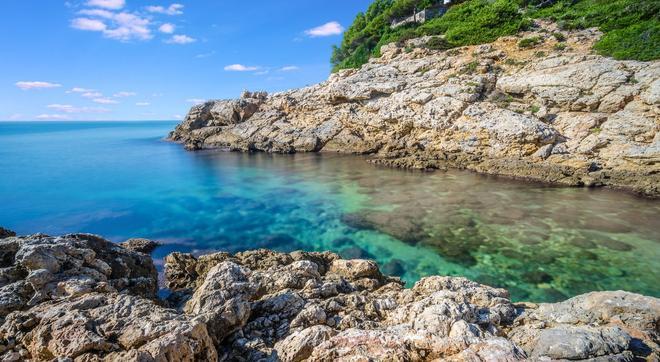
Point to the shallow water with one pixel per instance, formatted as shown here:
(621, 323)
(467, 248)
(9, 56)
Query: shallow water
(120, 180)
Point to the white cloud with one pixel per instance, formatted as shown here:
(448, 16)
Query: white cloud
(53, 117)
(177, 116)
(124, 94)
(142, 104)
(92, 94)
(97, 13)
(174, 9)
(129, 26)
(79, 90)
(289, 68)
(67, 108)
(240, 68)
(327, 29)
(15, 116)
(36, 85)
(104, 101)
(167, 28)
(120, 26)
(88, 24)
(181, 39)
(263, 72)
(107, 4)
(196, 101)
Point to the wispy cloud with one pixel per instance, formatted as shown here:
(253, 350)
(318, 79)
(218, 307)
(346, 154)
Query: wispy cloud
(87, 24)
(289, 68)
(92, 94)
(240, 68)
(196, 101)
(180, 39)
(53, 117)
(36, 85)
(107, 4)
(174, 9)
(79, 90)
(142, 104)
(205, 55)
(124, 94)
(327, 29)
(104, 101)
(167, 28)
(67, 108)
(262, 72)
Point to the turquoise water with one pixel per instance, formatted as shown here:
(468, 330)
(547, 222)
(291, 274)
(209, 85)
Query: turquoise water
(121, 180)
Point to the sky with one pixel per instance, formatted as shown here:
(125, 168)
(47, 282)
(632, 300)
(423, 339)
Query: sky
(153, 59)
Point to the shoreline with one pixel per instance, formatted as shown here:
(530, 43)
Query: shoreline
(286, 306)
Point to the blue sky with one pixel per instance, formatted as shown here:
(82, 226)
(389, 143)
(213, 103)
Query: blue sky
(151, 60)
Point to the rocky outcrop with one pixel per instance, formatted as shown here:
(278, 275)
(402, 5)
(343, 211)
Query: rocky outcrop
(554, 112)
(300, 306)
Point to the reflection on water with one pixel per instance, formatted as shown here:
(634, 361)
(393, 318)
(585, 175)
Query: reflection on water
(541, 243)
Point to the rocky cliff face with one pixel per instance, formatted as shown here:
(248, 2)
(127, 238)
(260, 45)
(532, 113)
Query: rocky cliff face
(82, 298)
(552, 112)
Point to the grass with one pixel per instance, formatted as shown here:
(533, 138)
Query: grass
(631, 27)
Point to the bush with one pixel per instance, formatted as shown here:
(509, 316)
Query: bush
(631, 27)
(529, 42)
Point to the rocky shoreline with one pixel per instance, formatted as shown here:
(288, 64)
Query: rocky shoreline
(550, 111)
(80, 297)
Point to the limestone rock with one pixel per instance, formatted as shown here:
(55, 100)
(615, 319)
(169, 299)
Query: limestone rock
(491, 108)
(140, 245)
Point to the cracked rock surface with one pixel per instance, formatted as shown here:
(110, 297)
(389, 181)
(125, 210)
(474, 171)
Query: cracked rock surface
(562, 116)
(81, 298)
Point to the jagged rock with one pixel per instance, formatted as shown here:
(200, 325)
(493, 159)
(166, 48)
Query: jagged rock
(5, 233)
(39, 268)
(140, 245)
(491, 108)
(107, 326)
(74, 297)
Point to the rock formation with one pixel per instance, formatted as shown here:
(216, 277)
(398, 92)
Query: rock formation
(81, 298)
(553, 112)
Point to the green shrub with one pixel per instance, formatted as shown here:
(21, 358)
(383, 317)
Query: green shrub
(437, 43)
(559, 46)
(630, 27)
(640, 41)
(529, 42)
(559, 36)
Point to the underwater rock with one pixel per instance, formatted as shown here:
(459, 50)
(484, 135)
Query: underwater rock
(74, 297)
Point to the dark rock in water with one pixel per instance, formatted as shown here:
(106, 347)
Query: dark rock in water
(140, 245)
(355, 252)
(614, 244)
(394, 267)
(537, 277)
(583, 242)
(277, 242)
(341, 242)
(6, 233)
(406, 229)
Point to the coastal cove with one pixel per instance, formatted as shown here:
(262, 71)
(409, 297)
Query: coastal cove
(121, 180)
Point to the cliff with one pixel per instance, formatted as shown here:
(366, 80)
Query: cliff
(540, 106)
(82, 298)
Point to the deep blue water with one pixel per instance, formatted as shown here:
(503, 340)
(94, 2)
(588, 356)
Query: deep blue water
(121, 180)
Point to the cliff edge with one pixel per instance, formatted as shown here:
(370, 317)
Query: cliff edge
(539, 105)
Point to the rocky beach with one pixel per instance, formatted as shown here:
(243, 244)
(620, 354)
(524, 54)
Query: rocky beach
(80, 297)
(536, 106)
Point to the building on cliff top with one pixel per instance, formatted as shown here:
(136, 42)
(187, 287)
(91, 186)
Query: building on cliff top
(424, 15)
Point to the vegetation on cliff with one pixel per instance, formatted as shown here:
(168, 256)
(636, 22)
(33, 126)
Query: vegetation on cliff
(631, 27)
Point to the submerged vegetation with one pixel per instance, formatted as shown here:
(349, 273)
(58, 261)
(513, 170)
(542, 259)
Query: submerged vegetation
(631, 27)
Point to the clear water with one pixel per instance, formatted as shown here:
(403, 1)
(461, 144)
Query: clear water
(120, 180)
